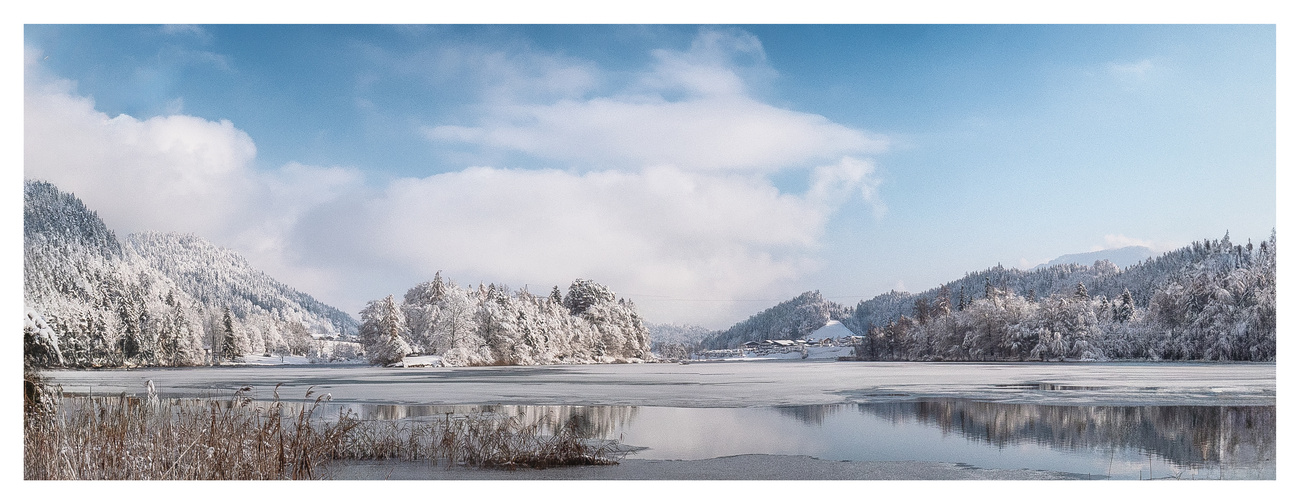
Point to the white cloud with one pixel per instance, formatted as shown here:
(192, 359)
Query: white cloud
(139, 173)
(662, 231)
(691, 110)
(727, 133)
(716, 64)
(494, 76)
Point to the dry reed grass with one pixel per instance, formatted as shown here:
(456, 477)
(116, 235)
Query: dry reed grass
(478, 441)
(130, 438)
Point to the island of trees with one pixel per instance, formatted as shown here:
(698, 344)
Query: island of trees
(490, 325)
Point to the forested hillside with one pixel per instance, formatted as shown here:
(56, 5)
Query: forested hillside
(490, 325)
(1211, 300)
(671, 340)
(791, 319)
(218, 277)
(159, 300)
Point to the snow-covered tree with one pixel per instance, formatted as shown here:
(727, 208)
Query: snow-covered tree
(155, 300)
(230, 345)
(381, 332)
(40, 342)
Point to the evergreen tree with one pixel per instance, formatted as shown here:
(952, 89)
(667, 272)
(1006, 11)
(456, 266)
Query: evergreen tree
(382, 330)
(1124, 311)
(229, 345)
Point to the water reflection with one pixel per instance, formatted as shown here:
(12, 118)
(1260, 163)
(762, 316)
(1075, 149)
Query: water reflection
(1127, 442)
(810, 414)
(1188, 436)
(588, 421)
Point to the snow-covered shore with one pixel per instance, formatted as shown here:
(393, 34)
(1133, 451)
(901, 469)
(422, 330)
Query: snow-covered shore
(717, 384)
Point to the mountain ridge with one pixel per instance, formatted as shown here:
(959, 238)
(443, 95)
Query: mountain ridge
(1122, 257)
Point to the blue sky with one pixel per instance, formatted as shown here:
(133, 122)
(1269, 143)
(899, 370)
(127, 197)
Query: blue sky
(704, 171)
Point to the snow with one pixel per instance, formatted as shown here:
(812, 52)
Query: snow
(288, 359)
(424, 360)
(829, 352)
(833, 330)
(719, 384)
(814, 353)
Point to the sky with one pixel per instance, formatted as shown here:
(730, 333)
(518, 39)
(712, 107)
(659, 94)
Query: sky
(705, 172)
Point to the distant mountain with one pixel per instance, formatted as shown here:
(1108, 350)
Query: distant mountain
(159, 300)
(1122, 257)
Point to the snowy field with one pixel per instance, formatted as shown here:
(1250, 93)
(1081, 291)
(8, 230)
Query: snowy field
(714, 384)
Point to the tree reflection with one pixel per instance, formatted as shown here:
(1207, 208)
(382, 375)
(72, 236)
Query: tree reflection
(809, 414)
(1184, 435)
(587, 421)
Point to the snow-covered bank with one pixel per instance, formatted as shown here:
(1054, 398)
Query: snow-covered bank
(718, 384)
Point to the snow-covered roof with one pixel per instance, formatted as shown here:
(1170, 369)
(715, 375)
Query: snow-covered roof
(833, 330)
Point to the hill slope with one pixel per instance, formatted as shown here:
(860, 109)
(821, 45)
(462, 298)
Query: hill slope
(111, 304)
(1212, 300)
(218, 277)
(791, 319)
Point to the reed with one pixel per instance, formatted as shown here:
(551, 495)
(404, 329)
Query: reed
(121, 437)
(479, 440)
(130, 438)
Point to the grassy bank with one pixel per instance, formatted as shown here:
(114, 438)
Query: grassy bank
(123, 437)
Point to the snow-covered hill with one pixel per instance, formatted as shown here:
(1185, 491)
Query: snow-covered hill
(1213, 299)
(218, 277)
(158, 300)
(788, 320)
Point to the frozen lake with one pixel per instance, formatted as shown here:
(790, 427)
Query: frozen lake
(816, 420)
